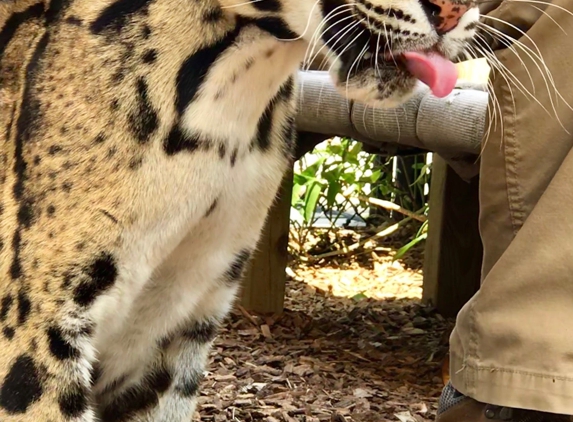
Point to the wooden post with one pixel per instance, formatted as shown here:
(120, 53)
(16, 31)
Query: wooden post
(453, 257)
(265, 278)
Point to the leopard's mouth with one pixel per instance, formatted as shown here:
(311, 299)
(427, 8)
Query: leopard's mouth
(429, 66)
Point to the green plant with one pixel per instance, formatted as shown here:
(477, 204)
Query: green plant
(338, 177)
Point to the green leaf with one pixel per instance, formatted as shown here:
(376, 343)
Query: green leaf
(312, 170)
(348, 177)
(310, 201)
(404, 249)
(295, 198)
(423, 174)
(359, 297)
(356, 149)
(423, 229)
(375, 176)
(299, 179)
(334, 189)
(334, 149)
(304, 180)
(333, 175)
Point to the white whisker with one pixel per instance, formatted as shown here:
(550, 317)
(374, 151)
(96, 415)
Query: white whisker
(545, 72)
(339, 35)
(319, 30)
(544, 3)
(233, 6)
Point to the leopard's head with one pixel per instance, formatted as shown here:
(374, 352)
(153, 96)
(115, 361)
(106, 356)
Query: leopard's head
(378, 50)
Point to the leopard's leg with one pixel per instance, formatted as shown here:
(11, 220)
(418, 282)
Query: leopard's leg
(163, 387)
(187, 354)
(164, 344)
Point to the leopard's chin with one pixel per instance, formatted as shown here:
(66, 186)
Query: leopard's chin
(385, 87)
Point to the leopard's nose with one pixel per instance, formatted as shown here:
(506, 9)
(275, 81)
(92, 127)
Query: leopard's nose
(444, 15)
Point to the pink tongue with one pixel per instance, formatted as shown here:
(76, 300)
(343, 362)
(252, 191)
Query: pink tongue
(439, 73)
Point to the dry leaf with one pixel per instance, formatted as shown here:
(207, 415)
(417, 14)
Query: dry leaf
(405, 417)
(361, 393)
(265, 329)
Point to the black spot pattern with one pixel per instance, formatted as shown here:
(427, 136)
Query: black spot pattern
(222, 150)
(212, 208)
(5, 306)
(60, 348)
(289, 134)
(389, 12)
(146, 32)
(135, 163)
(144, 121)
(471, 26)
(213, 15)
(237, 267)
(264, 128)
(150, 56)
(188, 386)
(102, 274)
(99, 139)
(268, 5)
(194, 70)
(15, 21)
(176, 142)
(201, 331)
(73, 403)
(54, 149)
(74, 20)
(24, 307)
(117, 14)
(275, 26)
(128, 403)
(160, 380)
(25, 214)
(27, 123)
(234, 157)
(21, 387)
(8, 333)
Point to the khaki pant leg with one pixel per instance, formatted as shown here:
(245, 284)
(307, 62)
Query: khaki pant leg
(513, 341)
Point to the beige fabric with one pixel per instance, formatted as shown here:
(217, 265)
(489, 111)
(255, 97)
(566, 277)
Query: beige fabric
(513, 342)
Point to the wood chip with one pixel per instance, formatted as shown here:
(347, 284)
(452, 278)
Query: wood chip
(265, 329)
(332, 356)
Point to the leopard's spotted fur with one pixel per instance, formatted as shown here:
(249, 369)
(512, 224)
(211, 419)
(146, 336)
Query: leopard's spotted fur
(141, 145)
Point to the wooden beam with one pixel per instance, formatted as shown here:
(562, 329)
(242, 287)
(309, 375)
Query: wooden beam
(264, 282)
(453, 256)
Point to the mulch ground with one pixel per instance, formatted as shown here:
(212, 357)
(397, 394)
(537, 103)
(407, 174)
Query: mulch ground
(354, 344)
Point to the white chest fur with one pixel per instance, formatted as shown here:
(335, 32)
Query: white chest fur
(219, 197)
